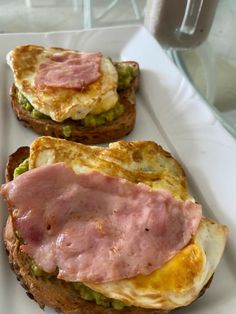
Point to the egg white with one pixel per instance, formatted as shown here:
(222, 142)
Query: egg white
(61, 103)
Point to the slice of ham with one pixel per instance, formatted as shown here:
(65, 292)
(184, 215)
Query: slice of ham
(69, 70)
(97, 228)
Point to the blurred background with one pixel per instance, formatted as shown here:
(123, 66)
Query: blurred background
(56, 15)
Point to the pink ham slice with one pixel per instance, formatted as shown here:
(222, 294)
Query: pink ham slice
(70, 70)
(97, 228)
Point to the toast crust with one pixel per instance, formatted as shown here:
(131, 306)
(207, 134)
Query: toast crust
(53, 293)
(111, 131)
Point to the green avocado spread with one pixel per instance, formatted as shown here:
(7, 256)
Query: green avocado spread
(27, 106)
(97, 120)
(126, 73)
(91, 295)
(84, 292)
(90, 120)
(66, 130)
(23, 167)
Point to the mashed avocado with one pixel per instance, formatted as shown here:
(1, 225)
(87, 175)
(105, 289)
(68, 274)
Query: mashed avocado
(23, 167)
(91, 295)
(38, 115)
(24, 102)
(27, 106)
(66, 130)
(97, 120)
(126, 73)
(89, 121)
(38, 272)
(84, 292)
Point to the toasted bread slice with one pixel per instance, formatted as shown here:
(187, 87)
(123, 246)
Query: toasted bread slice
(54, 293)
(108, 132)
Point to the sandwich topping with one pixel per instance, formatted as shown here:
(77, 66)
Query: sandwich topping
(64, 84)
(101, 232)
(70, 70)
(97, 228)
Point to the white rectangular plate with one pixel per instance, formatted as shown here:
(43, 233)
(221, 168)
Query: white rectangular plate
(169, 112)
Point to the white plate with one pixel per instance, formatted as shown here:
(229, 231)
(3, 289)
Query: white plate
(169, 112)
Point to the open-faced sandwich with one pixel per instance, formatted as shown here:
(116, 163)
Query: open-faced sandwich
(107, 230)
(80, 96)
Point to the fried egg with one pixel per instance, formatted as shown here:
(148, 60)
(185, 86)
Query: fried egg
(61, 103)
(139, 161)
(179, 281)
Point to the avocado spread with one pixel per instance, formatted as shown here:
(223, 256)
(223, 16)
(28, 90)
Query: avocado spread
(89, 121)
(27, 106)
(91, 295)
(126, 73)
(23, 167)
(97, 120)
(85, 292)
(66, 130)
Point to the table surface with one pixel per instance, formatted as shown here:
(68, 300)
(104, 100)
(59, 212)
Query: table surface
(210, 67)
(57, 15)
